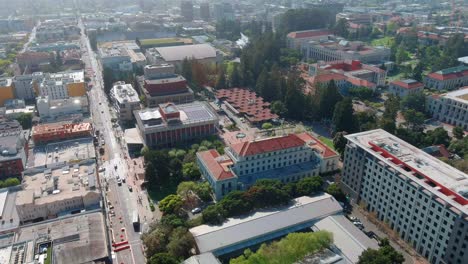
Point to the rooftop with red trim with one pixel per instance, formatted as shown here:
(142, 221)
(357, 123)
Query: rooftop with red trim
(217, 165)
(450, 73)
(309, 33)
(408, 84)
(434, 175)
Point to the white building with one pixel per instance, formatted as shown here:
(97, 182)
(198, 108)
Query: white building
(62, 85)
(447, 79)
(300, 39)
(404, 88)
(125, 100)
(421, 198)
(24, 85)
(53, 109)
(48, 193)
(285, 158)
(450, 108)
(203, 53)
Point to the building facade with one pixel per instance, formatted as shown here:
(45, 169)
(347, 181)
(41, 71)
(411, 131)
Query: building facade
(171, 124)
(46, 133)
(13, 149)
(447, 79)
(299, 39)
(419, 197)
(62, 85)
(450, 108)
(403, 88)
(7, 90)
(285, 158)
(125, 100)
(61, 108)
(24, 87)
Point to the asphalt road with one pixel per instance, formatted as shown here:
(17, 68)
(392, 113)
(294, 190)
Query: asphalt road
(123, 201)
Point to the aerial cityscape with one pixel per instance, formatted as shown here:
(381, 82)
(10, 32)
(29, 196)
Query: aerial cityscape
(233, 132)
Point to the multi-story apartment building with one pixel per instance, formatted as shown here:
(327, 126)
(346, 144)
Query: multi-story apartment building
(170, 124)
(49, 193)
(450, 108)
(403, 88)
(447, 79)
(340, 49)
(186, 10)
(125, 100)
(286, 158)
(24, 86)
(57, 132)
(62, 85)
(420, 197)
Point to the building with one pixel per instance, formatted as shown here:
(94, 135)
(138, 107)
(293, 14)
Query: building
(357, 18)
(61, 153)
(57, 31)
(11, 126)
(450, 108)
(299, 39)
(203, 53)
(62, 85)
(223, 11)
(31, 60)
(447, 79)
(340, 49)
(346, 74)
(49, 193)
(171, 124)
(186, 10)
(54, 46)
(121, 55)
(287, 158)
(161, 85)
(13, 153)
(245, 103)
(403, 88)
(420, 197)
(125, 100)
(14, 113)
(61, 108)
(205, 11)
(57, 132)
(24, 86)
(7, 90)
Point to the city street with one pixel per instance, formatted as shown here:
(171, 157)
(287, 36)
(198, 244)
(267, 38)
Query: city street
(123, 196)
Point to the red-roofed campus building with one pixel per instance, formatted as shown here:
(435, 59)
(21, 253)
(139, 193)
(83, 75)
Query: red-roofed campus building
(243, 102)
(299, 39)
(285, 158)
(404, 88)
(447, 79)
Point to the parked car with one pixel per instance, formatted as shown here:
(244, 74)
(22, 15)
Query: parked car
(196, 210)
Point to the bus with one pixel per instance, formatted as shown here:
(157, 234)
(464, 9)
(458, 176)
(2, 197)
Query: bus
(136, 221)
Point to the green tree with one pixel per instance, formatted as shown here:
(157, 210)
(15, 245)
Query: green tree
(163, 258)
(362, 93)
(388, 125)
(339, 141)
(418, 72)
(384, 255)
(261, 85)
(213, 215)
(187, 69)
(335, 190)
(170, 204)
(437, 136)
(180, 242)
(190, 171)
(341, 28)
(392, 106)
(416, 101)
(235, 78)
(10, 182)
(220, 79)
(414, 119)
(309, 185)
(459, 147)
(343, 116)
(294, 99)
(458, 132)
(328, 97)
(25, 120)
(278, 108)
(401, 55)
(266, 196)
(235, 204)
(203, 191)
(267, 126)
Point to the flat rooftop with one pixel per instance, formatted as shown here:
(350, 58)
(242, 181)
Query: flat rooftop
(124, 93)
(238, 230)
(63, 152)
(460, 95)
(432, 174)
(76, 239)
(179, 53)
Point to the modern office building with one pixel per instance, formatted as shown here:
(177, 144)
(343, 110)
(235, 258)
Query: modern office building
(62, 85)
(7, 90)
(223, 10)
(13, 149)
(340, 49)
(170, 124)
(451, 108)
(48, 193)
(186, 10)
(403, 88)
(421, 198)
(287, 158)
(61, 108)
(125, 100)
(58, 132)
(447, 79)
(161, 85)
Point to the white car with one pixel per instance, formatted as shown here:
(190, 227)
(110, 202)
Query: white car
(101, 169)
(196, 210)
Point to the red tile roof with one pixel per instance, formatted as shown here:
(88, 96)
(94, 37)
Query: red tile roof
(309, 34)
(322, 78)
(361, 82)
(405, 85)
(449, 76)
(217, 166)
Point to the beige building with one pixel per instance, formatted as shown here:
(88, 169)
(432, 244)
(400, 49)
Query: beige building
(49, 193)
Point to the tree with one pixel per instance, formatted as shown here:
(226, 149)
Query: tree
(414, 119)
(265, 196)
(343, 116)
(362, 93)
(294, 99)
(391, 105)
(25, 120)
(341, 28)
(387, 124)
(401, 55)
(328, 97)
(339, 141)
(190, 171)
(203, 191)
(458, 132)
(170, 204)
(235, 78)
(213, 215)
(437, 136)
(261, 85)
(185, 188)
(180, 242)
(220, 79)
(309, 185)
(416, 101)
(386, 254)
(235, 204)
(335, 190)
(163, 258)
(267, 126)
(418, 72)
(278, 108)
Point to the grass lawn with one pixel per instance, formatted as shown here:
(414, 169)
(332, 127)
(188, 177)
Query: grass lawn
(159, 194)
(159, 41)
(385, 41)
(49, 256)
(327, 142)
